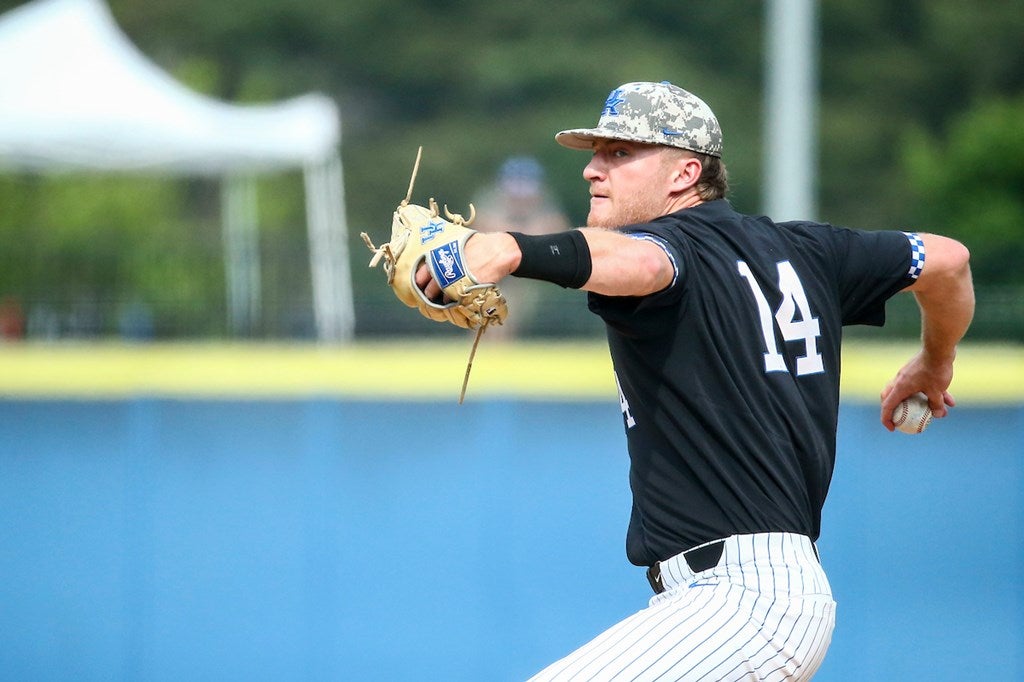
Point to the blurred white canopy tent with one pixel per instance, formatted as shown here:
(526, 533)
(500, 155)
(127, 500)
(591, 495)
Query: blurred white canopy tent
(77, 95)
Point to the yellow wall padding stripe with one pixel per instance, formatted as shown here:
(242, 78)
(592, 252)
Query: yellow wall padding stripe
(416, 369)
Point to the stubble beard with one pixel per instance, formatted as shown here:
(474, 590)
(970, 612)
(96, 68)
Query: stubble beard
(635, 209)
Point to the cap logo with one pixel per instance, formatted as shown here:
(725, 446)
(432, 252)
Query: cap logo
(614, 100)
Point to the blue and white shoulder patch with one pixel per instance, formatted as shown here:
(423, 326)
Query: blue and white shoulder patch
(916, 255)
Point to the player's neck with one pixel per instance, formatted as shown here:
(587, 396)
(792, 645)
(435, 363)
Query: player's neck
(687, 199)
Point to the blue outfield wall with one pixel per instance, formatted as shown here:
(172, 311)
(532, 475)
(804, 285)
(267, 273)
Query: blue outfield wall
(151, 539)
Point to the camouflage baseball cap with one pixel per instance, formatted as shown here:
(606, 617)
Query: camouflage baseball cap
(653, 113)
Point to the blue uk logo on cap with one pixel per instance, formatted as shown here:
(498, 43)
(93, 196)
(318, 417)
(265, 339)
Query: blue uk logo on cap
(614, 100)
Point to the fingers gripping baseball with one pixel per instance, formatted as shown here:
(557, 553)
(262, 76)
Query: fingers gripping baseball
(920, 375)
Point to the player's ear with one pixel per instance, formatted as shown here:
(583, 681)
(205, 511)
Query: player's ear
(686, 170)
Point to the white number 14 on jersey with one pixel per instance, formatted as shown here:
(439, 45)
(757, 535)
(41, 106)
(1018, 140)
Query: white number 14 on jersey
(805, 329)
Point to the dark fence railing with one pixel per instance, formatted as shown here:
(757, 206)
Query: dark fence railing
(65, 310)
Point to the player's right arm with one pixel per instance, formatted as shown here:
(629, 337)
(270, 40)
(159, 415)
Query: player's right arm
(945, 295)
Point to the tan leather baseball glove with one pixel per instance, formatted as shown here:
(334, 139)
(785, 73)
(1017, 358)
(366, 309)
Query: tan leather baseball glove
(420, 235)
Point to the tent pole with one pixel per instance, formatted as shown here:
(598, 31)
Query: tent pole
(241, 253)
(328, 251)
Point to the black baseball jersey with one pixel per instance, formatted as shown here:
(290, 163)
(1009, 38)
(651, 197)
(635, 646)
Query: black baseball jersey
(729, 378)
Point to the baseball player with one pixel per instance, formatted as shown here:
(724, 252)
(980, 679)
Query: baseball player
(724, 331)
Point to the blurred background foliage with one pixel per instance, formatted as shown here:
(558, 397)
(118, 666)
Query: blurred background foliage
(921, 124)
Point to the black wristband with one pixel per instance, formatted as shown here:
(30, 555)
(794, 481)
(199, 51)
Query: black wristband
(562, 258)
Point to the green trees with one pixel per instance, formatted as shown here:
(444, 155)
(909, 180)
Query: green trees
(970, 183)
(921, 120)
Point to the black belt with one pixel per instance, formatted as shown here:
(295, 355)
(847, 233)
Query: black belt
(698, 559)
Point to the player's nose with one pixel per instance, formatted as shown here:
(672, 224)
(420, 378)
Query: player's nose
(593, 171)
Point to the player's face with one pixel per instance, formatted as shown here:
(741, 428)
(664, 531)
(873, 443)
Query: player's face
(628, 184)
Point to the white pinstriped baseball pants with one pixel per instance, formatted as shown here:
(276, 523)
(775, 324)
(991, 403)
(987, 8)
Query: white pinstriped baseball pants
(765, 612)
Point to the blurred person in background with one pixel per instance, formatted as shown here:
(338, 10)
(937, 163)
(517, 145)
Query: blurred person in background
(12, 319)
(519, 200)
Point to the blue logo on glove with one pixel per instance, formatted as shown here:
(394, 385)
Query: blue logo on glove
(446, 264)
(431, 230)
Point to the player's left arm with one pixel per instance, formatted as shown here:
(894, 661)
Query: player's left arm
(625, 265)
(619, 264)
(945, 295)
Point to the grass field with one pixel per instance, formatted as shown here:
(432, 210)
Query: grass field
(415, 369)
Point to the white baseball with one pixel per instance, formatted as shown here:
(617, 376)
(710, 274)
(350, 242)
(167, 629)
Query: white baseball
(913, 414)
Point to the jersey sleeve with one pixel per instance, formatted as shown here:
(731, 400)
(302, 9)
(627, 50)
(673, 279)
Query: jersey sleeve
(676, 248)
(671, 252)
(873, 267)
(621, 311)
